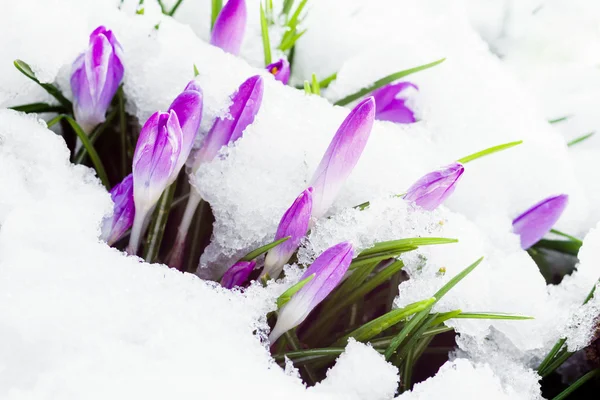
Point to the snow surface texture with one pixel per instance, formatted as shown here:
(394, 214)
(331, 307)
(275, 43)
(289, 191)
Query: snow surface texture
(82, 320)
(161, 323)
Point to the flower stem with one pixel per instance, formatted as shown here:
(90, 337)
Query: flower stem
(157, 227)
(292, 339)
(175, 259)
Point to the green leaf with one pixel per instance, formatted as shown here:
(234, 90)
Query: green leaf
(378, 325)
(290, 37)
(401, 244)
(406, 330)
(454, 281)
(96, 133)
(574, 386)
(570, 237)
(175, 7)
(315, 85)
(489, 315)
(264, 28)
(287, 7)
(325, 82)
(580, 139)
(287, 295)
(488, 151)
(307, 88)
(384, 81)
(379, 257)
(88, 146)
(196, 72)
(562, 246)
(263, 249)
(39, 108)
(51, 89)
(557, 120)
(216, 7)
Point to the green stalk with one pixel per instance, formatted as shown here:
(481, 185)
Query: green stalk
(159, 222)
(216, 7)
(292, 339)
(175, 7)
(490, 150)
(83, 151)
(264, 28)
(384, 81)
(565, 393)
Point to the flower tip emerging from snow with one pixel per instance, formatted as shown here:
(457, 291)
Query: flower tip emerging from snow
(95, 78)
(435, 187)
(534, 223)
(246, 102)
(391, 105)
(188, 107)
(341, 156)
(294, 224)
(329, 269)
(237, 274)
(280, 70)
(228, 32)
(154, 165)
(115, 226)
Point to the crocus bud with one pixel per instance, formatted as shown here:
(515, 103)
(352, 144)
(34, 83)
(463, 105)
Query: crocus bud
(294, 224)
(329, 269)
(391, 105)
(280, 70)
(124, 210)
(435, 187)
(245, 105)
(228, 32)
(188, 107)
(237, 274)
(341, 156)
(534, 223)
(154, 166)
(95, 78)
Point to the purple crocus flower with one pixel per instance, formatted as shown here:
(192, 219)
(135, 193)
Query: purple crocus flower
(329, 269)
(246, 102)
(534, 223)
(188, 107)
(225, 130)
(280, 70)
(154, 166)
(341, 156)
(391, 105)
(294, 224)
(237, 274)
(124, 210)
(435, 187)
(95, 78)
(229, 28)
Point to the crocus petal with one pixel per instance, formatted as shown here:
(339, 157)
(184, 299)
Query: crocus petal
(329, 269)
(391, 105)
(245, 105)
(155, 158)
(341, 156)
(96, 76)
(123, 213)
(435, 187)
(534, 223)
(280, 70)
(294, 224)
(237, 274)
(228, 32)
(188, 107)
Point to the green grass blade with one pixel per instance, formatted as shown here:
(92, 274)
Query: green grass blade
(378, 325)
(307, 88)
(26, 70)
(557, 120)
(384, 81)
(264, 28)
(90, 149)
(488, 151)
(325, 82)
(488, 315)
(39, 108)
(574, 386)
(287, 295)
(566, 235)
(290, 41)
(263, 249)
(401, 244)
(216, 6)
(580, 139)
(562, 246)
(316, 89)
(158, 224)
(287, 7)
(406, 330)
(175, 7)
